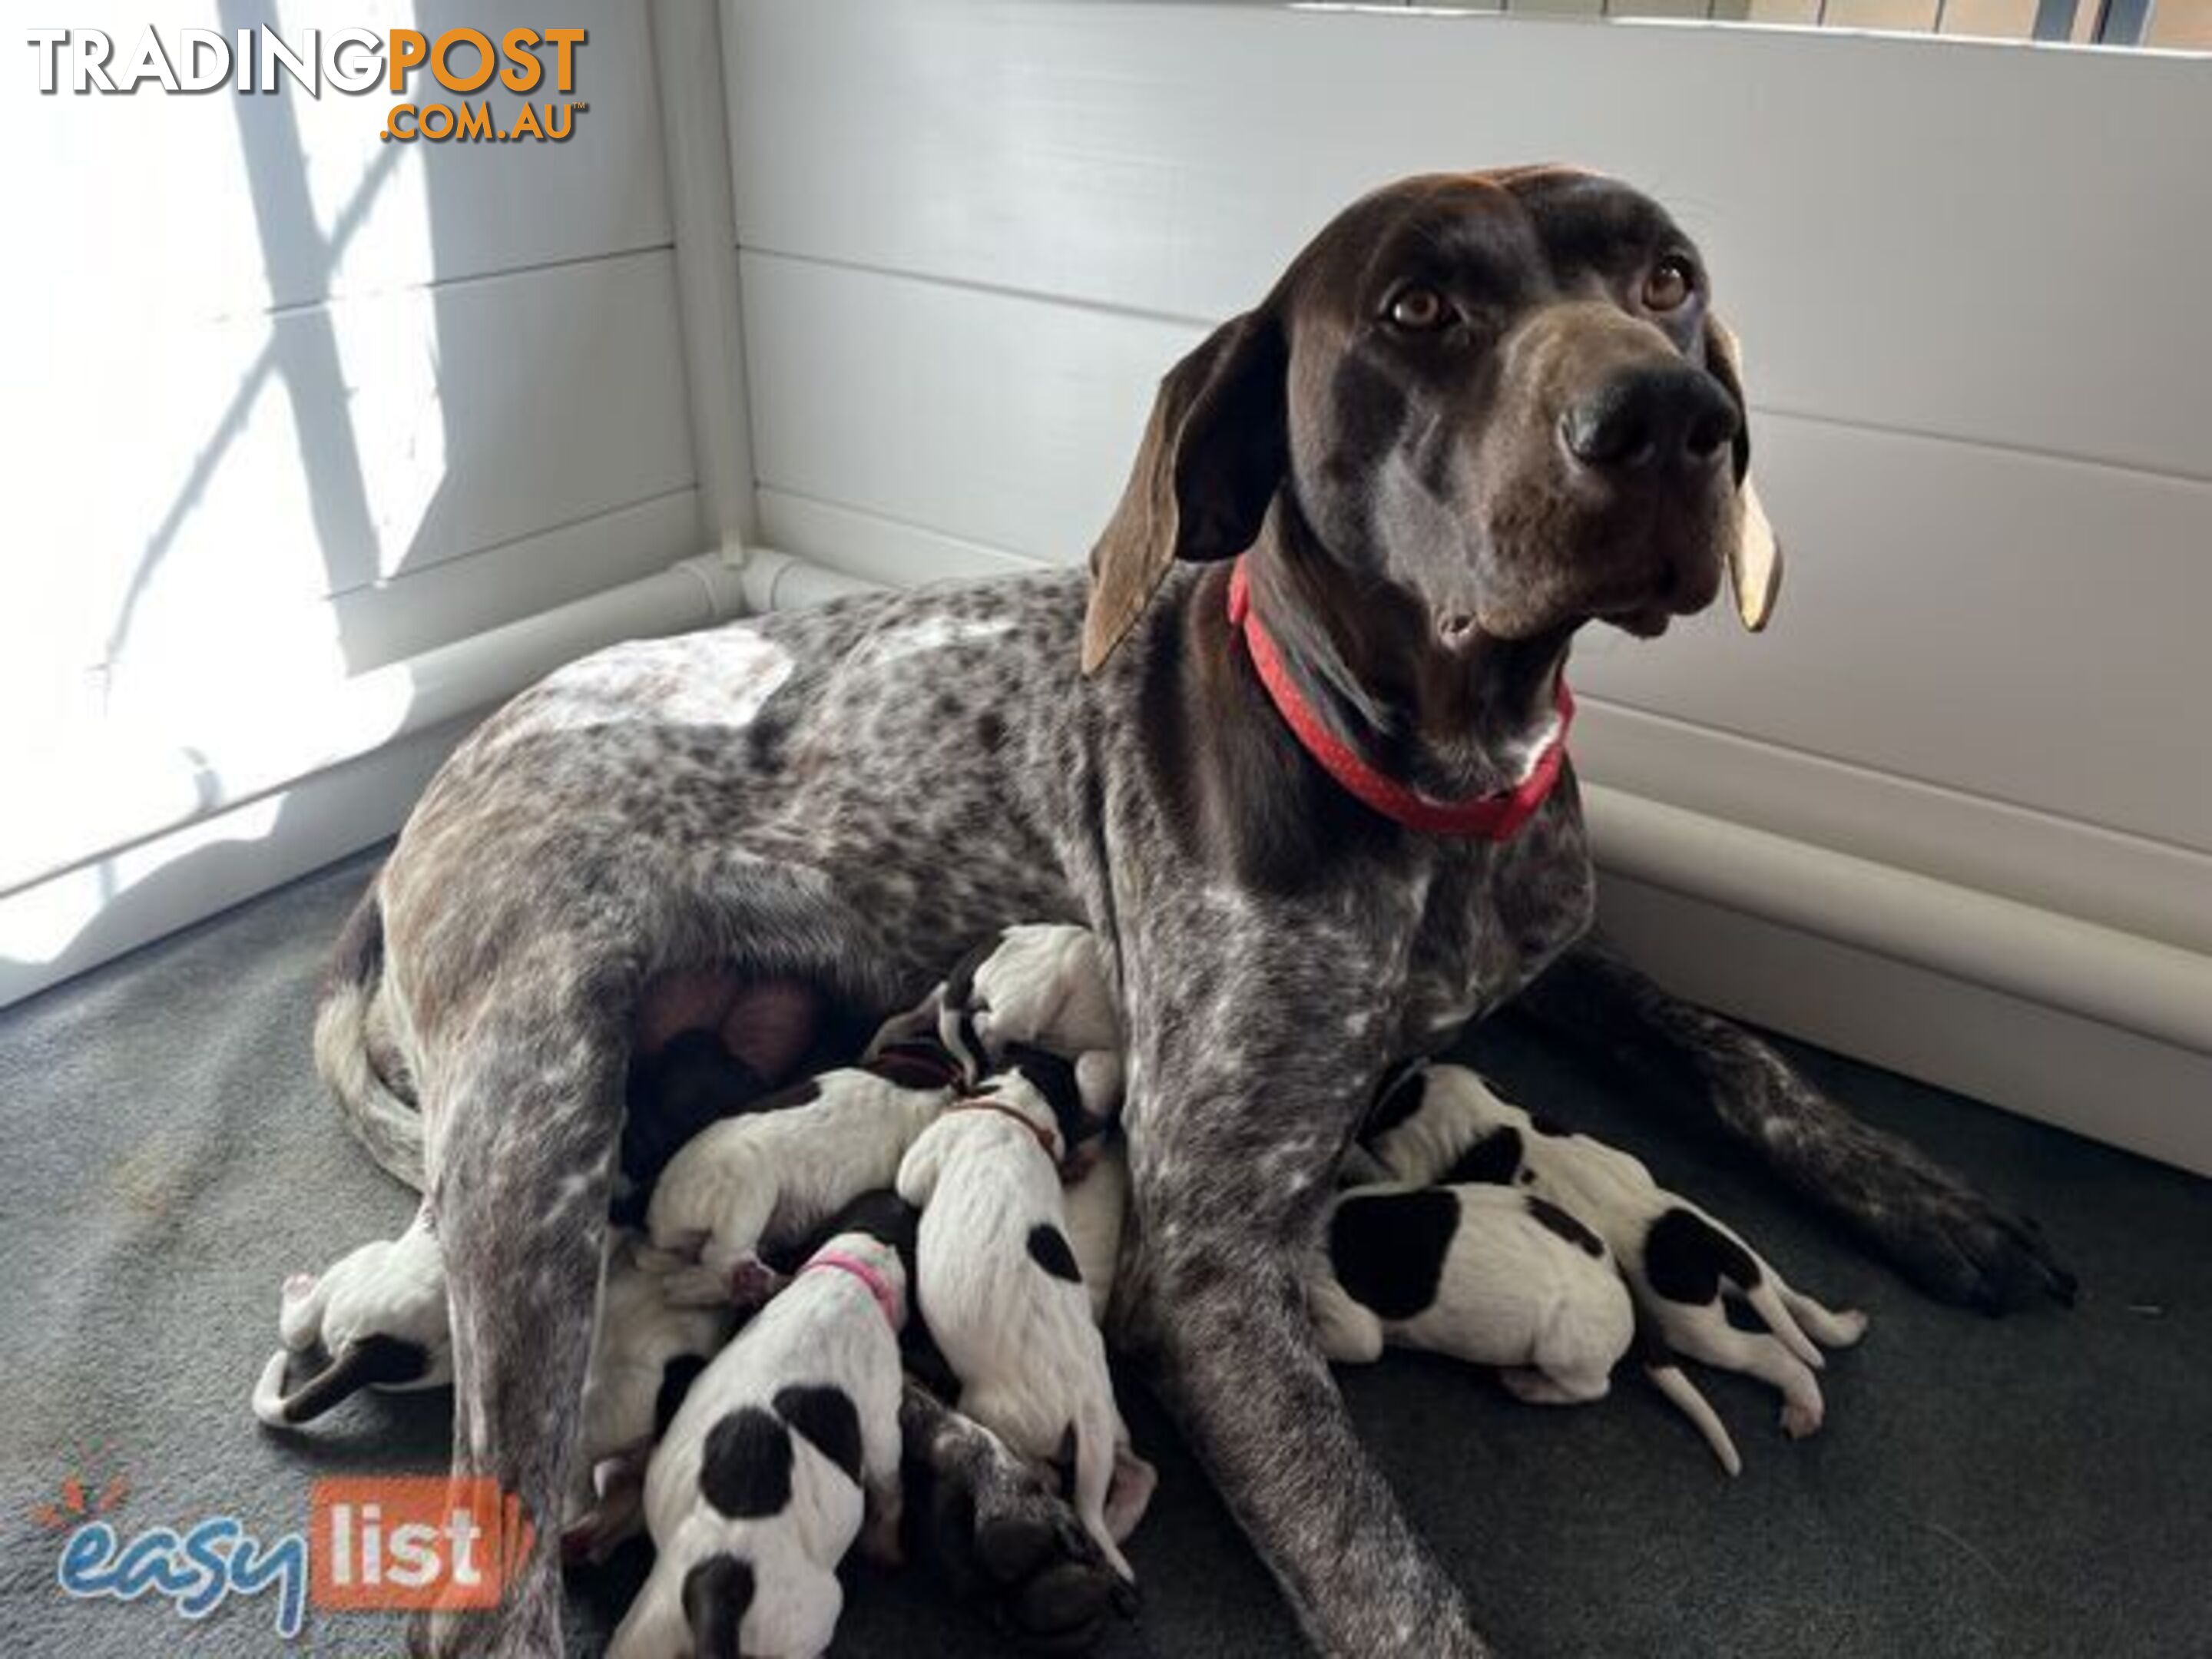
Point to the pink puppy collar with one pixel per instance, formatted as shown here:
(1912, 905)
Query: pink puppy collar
(879, 1286)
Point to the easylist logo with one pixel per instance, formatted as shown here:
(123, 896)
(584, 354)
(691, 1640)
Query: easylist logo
(459, 62)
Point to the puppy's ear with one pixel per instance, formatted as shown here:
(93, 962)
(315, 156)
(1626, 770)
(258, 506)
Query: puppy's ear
(1754, 554)
(1215, 449)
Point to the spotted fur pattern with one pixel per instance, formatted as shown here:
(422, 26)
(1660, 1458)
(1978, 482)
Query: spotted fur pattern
(850, 796)
(1481, 1274)
(784, 1444)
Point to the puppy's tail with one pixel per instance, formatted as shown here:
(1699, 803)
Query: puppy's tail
(1668, 1379)
(388, 1126)
(1094, 1481)
(1666, 1376)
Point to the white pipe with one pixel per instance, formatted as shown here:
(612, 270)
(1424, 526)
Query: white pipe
(2140, 985)
(781, 581)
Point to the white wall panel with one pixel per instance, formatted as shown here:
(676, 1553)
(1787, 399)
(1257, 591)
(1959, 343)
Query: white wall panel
(288, 402)
(424, 609)
(236, 203)
(2002, 624)
(1988, 241)
(998, 419)
(261, 463)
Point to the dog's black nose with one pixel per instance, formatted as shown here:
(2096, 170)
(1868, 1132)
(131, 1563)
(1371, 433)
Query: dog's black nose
(1667, 415)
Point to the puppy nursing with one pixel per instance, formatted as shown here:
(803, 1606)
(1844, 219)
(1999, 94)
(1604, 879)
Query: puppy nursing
(646, 1353)
(1037, 986)
(1683, 1266)
(771, 1178)
(999, 1289)
(755, 1460)
(787, 1441)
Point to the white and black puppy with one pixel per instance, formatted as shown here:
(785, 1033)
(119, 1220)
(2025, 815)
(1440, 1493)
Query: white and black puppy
(1684, 1268)
(1039, 985)
(767, 1179)
(999, 1287)
(787, 1442)
(1491, 1276)
(1483, 1274)
(646, 1353)
(375, 1319)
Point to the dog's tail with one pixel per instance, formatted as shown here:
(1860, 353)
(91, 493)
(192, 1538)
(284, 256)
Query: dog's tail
(387, 1125)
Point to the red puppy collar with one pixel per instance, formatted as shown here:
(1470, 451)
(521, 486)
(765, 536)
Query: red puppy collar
(1494, 817)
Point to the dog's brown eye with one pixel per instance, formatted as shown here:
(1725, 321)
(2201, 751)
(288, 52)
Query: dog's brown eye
(1420, 309)
(1670, 282)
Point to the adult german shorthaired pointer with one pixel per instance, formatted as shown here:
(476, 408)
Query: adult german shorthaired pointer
(1312, 800)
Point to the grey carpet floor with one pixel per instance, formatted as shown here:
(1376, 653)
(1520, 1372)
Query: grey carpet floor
(2039, 1485)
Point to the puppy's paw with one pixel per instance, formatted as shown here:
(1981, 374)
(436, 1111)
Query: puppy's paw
(1844, 1328)
(745, 1285)
(751, 1282)
(995, 1527)
(1800, 1420)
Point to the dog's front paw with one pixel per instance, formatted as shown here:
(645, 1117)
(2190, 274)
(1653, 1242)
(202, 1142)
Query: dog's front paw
(1946, 1239)
(995, 1528)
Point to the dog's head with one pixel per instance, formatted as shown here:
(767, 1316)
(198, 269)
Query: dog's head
(1498, 404)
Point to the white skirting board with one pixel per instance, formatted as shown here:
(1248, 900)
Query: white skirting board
(2095, 1079)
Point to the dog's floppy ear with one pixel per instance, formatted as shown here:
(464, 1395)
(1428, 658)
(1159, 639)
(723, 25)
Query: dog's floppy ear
(1754, 554)
(1215, 448)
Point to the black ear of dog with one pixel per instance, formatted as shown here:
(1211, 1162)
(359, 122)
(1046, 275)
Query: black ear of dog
(1214, 452)
(1053, 1077)
(883, 1216)
(368, 1362)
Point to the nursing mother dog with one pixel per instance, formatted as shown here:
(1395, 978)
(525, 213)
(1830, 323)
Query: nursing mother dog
(1295, 752)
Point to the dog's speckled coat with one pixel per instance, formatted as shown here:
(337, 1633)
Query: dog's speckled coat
(848, 796)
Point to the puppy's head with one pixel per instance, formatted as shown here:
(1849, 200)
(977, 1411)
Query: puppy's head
(957, 1007)
(1500, 405)
(882, 1216)
(1054, 1077)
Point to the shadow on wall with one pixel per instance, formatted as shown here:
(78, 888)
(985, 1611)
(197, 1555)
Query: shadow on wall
(328, 381)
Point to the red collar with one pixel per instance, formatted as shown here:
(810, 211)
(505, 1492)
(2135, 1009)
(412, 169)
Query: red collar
(1494, 817)
(1043, 1137)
